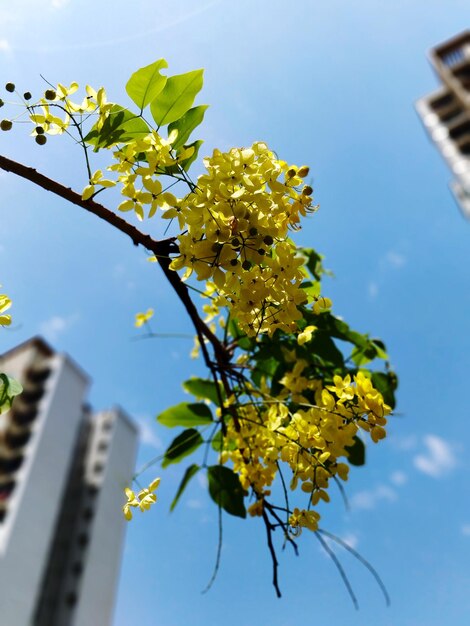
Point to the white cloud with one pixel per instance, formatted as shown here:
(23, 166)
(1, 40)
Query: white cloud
(370, 499)
(54, 327)
(4, 45)
(395, 259)
(59, 4)
(351, 540)
(148, 436)
(438, 459)
(405, 444)
(465, 530)
(194, 504)
(373, 290)
(398, 478)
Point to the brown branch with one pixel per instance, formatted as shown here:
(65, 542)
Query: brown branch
(269, 530)
(161, 248)
(89, 205)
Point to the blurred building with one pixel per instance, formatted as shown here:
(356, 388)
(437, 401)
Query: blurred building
(446, 112)
(62, 472)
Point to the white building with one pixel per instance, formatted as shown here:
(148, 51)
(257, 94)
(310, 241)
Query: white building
(62, 474)
(446, 113)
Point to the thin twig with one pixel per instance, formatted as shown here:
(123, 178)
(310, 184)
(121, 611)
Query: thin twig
(269, 531)
(217, 559)
(362, 560)
(340, 569)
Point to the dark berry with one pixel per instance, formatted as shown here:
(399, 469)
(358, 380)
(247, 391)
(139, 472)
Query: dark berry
(39, 130)
(268, 240)
(246, 265)
(6, 124)
(253, 231)
(41, 139)
(27, 95)
(233, 262)
(10, 87)
(50, 94)
(261, 251)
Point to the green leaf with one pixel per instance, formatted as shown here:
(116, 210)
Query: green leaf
(176, 98)
(323, 347)
(243, 341)
(312, 289)
(183, 445)
(203, 389)
(186, 124)
(225, 489)
(9, 389)
(186, 163)
(314, 262)
(121, 126)
(220, 443)
(190, 472)
(186, 414)
(357, 452)
(386, 384)
(145, 84)
(380, 348)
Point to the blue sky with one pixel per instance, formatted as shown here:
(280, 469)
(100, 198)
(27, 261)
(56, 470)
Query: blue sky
(328, 84)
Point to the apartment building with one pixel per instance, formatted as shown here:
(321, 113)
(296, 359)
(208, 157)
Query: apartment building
(62, 471)
(446, 112)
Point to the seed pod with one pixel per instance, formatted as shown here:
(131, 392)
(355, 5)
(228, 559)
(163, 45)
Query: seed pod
(6, 125)
(303, 171)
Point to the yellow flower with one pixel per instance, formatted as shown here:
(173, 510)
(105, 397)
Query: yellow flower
(322, 305)
(143, 318)
(143, 500)
(132, 501)
(96, 179)
(5, 304)
(306, 335)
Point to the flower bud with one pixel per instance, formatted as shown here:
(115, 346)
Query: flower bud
(303, 171)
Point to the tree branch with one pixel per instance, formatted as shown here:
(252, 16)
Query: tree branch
(161, 248)
(89, 205)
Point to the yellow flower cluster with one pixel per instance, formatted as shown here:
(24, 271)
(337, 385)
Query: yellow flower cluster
(236, 224)
(57, 100)
(139, 164)
(309, 428)
(143, 500)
